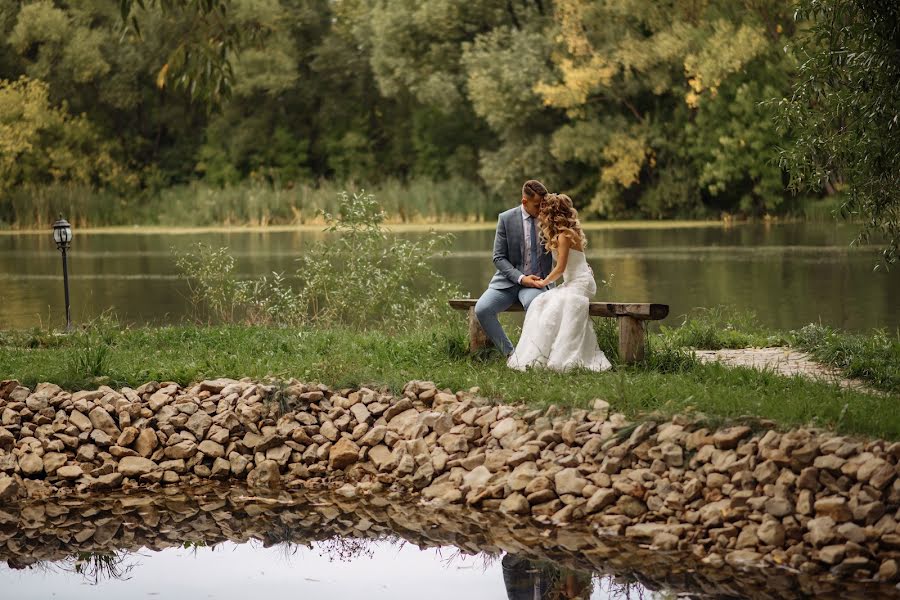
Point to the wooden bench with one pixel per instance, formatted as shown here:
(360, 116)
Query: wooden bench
(631, 331)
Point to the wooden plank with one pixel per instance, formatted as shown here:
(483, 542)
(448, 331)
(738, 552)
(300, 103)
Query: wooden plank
(640, 311)
(631, 340)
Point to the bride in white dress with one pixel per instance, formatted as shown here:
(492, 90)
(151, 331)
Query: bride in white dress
(558, 333)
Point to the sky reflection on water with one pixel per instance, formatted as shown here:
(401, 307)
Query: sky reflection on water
(246, 571)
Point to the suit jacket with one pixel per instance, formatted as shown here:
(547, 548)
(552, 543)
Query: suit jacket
(509, 251)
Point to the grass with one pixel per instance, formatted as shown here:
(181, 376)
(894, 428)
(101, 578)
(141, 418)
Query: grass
(246, 204)
(671, 381)
(722, 327)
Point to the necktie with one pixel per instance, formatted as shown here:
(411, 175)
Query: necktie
(535, 268)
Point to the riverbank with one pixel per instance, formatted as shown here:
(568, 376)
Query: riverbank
(672, 381)
(750, 497)
(391, 225)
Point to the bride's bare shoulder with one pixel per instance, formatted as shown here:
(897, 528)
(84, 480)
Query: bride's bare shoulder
(572, 239)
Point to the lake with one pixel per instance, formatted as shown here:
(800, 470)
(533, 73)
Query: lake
(789, 274)
(227, 542)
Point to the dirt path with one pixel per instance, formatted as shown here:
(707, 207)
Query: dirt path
(784, 361)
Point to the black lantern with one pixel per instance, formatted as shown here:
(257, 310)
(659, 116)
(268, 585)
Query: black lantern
(62, 235)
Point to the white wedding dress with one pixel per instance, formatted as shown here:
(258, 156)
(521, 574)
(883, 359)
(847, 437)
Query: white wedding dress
(558, 333)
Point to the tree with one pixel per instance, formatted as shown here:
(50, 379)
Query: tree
(845, 112)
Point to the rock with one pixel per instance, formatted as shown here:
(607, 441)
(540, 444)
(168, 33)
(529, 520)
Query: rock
(887, 572)
(238, 463)
(135, 466)
(129, 434)
(568, 481)
(779, 507)
(728, 439)
(220, 468)
(102, 420)
(599, 500)
(744, 558)
(834, 507)
(821, 530)
(374, 436)
(504, 427)
(79, 420)
(397, 408)
(31, 464)
(158, 400)
(771, 533)
(210, 448)
(360, 412)
(198, 424)
(631, 506)
(146, 442)
(851, 532)
(329, 431)
(405, 423)
(71, 472)
(832, 555)
(343, 454)
(184, 449)
(265, 475)
(453, 442)
(747, 537)
(477, 477)
(444, 492)
(9, 488)
(381, 457)
(515, 504)
(521, 476)
(53, 461)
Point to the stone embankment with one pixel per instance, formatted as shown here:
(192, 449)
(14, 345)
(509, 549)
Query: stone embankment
(803, 500)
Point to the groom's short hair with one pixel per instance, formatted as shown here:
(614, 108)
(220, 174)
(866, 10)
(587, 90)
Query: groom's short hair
(534, 189)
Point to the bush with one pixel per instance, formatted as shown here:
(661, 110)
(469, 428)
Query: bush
(360, 278)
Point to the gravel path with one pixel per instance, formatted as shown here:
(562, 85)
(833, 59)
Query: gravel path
(782, 360)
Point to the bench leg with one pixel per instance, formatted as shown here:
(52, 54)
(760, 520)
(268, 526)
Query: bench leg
(478, 339)
(631, 340)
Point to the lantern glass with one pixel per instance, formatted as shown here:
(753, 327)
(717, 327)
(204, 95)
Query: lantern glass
(62, 233)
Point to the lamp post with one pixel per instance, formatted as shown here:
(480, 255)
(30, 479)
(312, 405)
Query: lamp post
(62, 235)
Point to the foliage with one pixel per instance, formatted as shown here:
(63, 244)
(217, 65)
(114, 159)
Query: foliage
(844, 112)
(720, 327)
(40, 143)
(874, 358)
(200, 62)
(358, 278)
(635, 108)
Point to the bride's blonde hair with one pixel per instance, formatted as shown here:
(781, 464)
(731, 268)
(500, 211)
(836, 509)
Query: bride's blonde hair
(558, 215)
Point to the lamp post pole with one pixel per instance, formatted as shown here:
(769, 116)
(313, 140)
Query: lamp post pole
(62, 235)
(66, 286)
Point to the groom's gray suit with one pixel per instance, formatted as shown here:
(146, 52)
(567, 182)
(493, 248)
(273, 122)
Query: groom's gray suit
(513, 262)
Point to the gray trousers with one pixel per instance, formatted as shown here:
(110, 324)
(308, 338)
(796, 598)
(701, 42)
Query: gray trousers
(493, 302)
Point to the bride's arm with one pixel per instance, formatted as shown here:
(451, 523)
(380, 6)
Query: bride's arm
(562, 257)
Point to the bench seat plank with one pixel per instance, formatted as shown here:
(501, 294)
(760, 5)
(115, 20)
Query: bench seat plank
(640, 311)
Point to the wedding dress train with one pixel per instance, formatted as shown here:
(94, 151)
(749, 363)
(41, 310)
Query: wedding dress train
(558, 333)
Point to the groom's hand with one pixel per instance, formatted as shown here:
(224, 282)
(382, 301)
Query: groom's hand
(530, 281)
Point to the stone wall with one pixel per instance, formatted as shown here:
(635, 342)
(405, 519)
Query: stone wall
(804, 500)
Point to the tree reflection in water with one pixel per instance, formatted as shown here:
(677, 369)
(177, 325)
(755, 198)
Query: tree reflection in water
(94, 567)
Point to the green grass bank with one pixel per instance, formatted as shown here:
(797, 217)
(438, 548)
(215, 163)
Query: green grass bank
(671, 381)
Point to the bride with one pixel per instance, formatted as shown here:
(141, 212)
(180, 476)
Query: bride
(558, 333)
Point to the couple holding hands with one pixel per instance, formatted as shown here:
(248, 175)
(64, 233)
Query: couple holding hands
(558, 333)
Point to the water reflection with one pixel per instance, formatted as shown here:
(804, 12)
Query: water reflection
(126, 540)
(789, 274)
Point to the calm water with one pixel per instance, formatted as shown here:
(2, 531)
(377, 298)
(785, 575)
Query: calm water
(788, 274)
(225, 542)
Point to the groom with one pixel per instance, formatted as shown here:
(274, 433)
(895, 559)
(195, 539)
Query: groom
(521, 261)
